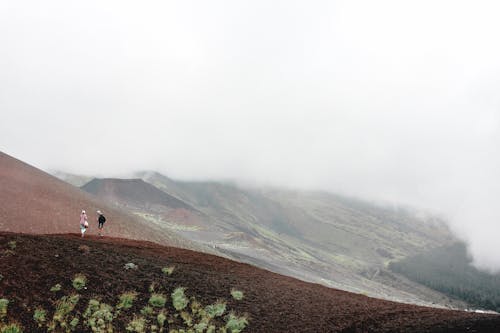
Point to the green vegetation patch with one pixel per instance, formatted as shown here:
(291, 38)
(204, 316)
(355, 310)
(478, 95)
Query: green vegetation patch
(235, 324)
(79, 281)
(237, 294)
(138, 324)
(216, 310)
(56, 288)
(126, 300)
(11, 328)
(99, 316)
(179, 299)
(450, 271)
(168, 270)
(40, 316)
(4, 304)
(157, 300)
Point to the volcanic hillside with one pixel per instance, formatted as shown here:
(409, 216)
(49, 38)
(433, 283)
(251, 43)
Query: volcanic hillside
(145, 200)
(64, 282)
(33, 201)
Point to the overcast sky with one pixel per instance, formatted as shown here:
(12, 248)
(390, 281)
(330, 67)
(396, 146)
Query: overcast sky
(393, 101)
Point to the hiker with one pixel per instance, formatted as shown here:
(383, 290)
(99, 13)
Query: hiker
(100, 221)
(84, 224)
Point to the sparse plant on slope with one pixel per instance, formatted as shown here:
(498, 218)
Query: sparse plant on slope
(216, 310)
(126, 300)
(179, 299)
(161, 318)
(168, 270)
(138, 324)
(235, 324)
(4, 304)
(56, 288)
(63, 307)
(237, 294)
(79, 281)
(40, 316)
(147, 311)
(12, 245)
(157, 300)
(11, 328)
(99, 316)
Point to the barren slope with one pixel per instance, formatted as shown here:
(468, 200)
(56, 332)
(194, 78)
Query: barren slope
(33, 201)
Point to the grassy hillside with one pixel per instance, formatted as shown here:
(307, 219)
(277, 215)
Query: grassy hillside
(449, 270)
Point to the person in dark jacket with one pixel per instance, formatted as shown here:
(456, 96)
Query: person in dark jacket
(100, 221)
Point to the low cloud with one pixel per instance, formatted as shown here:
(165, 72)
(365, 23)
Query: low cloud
(387, 100)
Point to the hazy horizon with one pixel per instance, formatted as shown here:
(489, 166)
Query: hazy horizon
(387, 101)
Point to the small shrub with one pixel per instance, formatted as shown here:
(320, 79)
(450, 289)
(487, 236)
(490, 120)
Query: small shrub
(157, 300)
(161, 319)
(237, 294)
(99, 316)
(200, 327)
(40, 316)
(186, 317)
(11, 328)
(147, 311)
(179, 300)
(168, 270)
(56, 288)
(152, 287)
(12, 245)
(64, 306)
(79, 281)
(74, 323)
(216, 310)
(8, 252)
(1, 277)
(138, 324)
(4, 304)
(126, 300)
(236, 324)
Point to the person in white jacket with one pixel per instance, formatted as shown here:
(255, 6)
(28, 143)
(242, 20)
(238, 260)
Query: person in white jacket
(84, 224)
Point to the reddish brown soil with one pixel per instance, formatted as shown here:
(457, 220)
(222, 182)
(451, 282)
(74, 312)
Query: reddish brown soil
(274, 303)
(33, 201)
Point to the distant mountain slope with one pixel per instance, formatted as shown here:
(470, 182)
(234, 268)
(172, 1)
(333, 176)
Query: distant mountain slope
(33, 201)
(145, 200)
(316, 236)
(133, 192)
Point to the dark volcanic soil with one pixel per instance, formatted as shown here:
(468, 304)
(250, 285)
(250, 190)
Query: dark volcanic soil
(274, 303)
